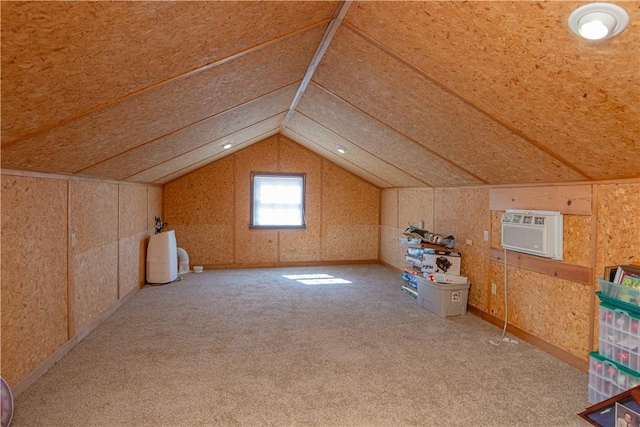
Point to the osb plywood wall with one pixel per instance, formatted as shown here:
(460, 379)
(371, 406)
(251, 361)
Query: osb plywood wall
(209, 210)
(401, 207)
(551, 301)
(94, 228)
(71, 251)
(34, 273)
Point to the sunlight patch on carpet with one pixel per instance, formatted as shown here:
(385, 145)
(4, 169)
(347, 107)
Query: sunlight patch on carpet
(316, 279)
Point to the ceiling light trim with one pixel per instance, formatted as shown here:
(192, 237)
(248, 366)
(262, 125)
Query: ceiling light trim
(598, 21)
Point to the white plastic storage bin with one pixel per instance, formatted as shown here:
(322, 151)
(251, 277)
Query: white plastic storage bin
(162, 258)
(443, 299)
(620, 336)
(607, 378)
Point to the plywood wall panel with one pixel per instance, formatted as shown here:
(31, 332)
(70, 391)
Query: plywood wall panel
(200, 208)
(302, 245)
(548, 308)
(94, 214)
(350, 217)
(618, 227)
(151, 114)
(40, 88)
(389, 205)
(95, 283)
(133, 237)
(393, 93)
(196, 136)
(379, 140)
(568, 199)
(524, 68)
(34, 273)
(464, 213)
(577, 240)
(154, 206)
(94, 260)
(132, 205)
(414, 205)
(253, 245)
(210, 152)
(356, 158)
(132, 254)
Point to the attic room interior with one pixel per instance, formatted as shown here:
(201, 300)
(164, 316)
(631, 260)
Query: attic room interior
(438, 114)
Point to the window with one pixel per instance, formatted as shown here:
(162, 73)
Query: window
(277, 200)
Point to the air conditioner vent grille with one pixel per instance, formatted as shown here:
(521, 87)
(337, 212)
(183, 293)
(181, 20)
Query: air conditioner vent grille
(533, 232)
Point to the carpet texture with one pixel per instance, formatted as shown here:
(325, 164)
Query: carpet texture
(253, 348)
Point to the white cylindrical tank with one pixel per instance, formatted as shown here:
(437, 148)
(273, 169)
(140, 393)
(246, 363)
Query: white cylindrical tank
(162, 258)
(183, 261)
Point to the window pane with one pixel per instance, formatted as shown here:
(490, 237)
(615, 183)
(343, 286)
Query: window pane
(278, 200)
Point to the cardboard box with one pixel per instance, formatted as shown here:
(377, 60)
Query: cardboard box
(439, 261)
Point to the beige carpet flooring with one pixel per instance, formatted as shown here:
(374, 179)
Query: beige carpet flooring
(253, 348)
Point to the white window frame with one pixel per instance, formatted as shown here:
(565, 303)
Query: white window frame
(256, 179)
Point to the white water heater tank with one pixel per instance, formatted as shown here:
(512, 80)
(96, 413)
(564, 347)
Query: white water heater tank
(162, 258)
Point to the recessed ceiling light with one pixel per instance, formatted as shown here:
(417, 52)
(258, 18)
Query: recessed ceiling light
(598, 21)
(341, 149)
(226, 146)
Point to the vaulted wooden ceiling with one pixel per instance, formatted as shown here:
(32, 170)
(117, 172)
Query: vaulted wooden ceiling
(419, 93)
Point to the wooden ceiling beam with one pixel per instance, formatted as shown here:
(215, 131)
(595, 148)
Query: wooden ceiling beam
(333, 26)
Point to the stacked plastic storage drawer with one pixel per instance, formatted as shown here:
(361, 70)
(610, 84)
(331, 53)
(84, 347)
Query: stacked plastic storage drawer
(615, 367)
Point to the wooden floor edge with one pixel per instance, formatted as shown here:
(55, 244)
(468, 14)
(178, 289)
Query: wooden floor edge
(39, 371)
(570, 359)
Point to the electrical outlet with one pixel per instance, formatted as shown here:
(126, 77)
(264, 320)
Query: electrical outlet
(73, 240)
(485, 235)
(494, 288)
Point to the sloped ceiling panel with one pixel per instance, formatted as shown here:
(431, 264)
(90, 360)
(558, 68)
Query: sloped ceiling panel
(377, 139)
(422, 93)
(63, 59)
(196, 135)
(415, 106)
(190, 161)
(163, 109)
(518, 62)
(325, 141)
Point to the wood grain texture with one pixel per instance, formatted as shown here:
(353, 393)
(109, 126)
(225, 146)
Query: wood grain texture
(253, 246)
(389, 208)
(552, 268)
(414, 205)
(34, 273)
(379, 140)
(95, 283)
(200, 208)
(95, 137)
(302, 245)
(94, 260)
(548, 308)
(569, 199)
(618, 227)
(358, 161)
(132, 207)
(40, 88)
(350, 215)
(201, 156)
(577, 245)
(196, 136)
(154, 206)
(518, 62)
(391, 92)
(464, 213)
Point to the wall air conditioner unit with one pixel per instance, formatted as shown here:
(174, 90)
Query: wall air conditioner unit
(533, 232)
